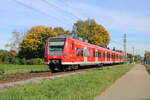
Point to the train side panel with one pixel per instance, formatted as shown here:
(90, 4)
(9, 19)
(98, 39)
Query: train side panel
(75, 52)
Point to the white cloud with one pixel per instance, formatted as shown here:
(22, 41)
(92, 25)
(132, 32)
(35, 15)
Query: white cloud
(122, 21)
(69, 12)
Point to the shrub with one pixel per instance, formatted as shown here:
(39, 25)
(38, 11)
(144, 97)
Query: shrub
(5, 56)
(15, 61)
(23, 61)
(2, 71)
(35, 61)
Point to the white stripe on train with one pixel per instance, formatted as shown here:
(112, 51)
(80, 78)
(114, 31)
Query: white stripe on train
(88, 63)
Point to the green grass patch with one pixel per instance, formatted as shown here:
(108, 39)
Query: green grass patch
(10, 69)
(148, 68)
(83, 86)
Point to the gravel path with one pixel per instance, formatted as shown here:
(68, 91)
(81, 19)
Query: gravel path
(135, 85)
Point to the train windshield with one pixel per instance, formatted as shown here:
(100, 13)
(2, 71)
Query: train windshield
(56, 46)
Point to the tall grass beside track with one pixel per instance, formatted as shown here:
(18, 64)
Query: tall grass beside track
(10, 69)
(148, 68)
(83, 86)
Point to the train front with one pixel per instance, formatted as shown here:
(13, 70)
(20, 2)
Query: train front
(54, 53)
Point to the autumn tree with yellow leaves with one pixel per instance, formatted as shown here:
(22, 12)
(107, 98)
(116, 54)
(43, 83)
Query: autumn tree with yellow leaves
(32, 45)
(93, 32)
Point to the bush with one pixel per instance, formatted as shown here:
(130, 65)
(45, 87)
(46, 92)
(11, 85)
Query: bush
(16, 61)
(2, 71)
(35, 61)
(23, 61)
(5, 56)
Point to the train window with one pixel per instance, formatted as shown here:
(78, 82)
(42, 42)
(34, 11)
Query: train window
(72, 46)
(104, 55)
(94, 53)
(86, 53)
(56, 50)
(56, 46)
(108, 55)
(99, 55)
(79, 52)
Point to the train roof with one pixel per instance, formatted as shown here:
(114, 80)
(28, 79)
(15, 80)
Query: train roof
(92, 45)
(95, 46)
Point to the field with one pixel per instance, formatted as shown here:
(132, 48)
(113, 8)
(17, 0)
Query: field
(84, 86)
(148, 68)
(9, 69)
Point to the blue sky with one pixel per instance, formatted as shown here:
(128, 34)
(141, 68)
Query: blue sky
(117, 16)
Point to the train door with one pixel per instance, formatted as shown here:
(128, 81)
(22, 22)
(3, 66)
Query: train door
(110, 57)
(73, 52)
(96, 56)
(105, 56)
(85, 57)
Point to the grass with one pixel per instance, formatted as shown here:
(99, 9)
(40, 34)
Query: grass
(148, 68)
(10, 69)
(83, 86)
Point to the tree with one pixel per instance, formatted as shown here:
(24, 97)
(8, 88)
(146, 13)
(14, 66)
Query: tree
(15, 41)
(147, 57)
(91, 31)
(59, 31)
(32, 45)
(137, 58)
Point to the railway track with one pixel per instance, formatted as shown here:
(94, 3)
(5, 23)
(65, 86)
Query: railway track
(35, 77)
(34, 74)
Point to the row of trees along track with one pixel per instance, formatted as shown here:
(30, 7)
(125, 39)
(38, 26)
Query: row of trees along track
(32, 43)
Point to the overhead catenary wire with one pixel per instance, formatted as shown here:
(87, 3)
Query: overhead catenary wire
(67, 5)
(62, 9)
(43, 13)
(74, 17)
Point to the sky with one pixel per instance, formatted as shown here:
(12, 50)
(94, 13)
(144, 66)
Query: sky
(117, 16)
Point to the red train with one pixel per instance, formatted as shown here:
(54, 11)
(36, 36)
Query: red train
(66, 53)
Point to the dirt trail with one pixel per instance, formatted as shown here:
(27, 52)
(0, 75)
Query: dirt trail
(135, 85)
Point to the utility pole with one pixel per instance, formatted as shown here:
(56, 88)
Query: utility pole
(124, 42)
